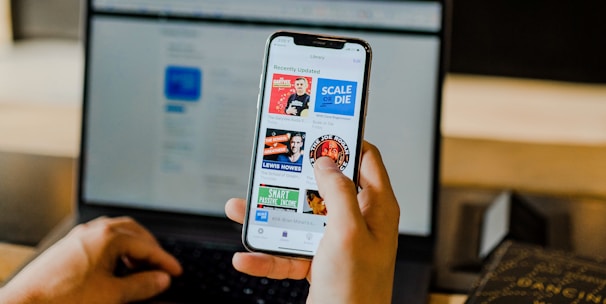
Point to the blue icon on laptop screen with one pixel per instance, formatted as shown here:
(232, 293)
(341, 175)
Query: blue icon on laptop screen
(183, 83)
(261, 216)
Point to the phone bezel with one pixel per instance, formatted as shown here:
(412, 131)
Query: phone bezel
(314, 40)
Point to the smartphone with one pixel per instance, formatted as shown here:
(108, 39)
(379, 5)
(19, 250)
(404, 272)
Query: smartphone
(312, 103)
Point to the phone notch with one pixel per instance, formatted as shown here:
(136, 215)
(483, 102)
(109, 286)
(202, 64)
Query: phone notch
(315, 41)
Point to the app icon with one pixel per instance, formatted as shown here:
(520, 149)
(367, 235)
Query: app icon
(261, 216)
(183, 83)
(332, 146)
(335, 97)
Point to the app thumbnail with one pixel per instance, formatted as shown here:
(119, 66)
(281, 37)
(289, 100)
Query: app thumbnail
(332, 146)
(278, 198)
(284, 150)
(336, 97)
(290, 95)
(314, 203)
(183, 83)
(262, 216)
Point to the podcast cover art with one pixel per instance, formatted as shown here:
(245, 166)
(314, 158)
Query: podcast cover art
(332, 146)
(290, 95)
(278, 198)
(336, 97)
(283, 150)
(314, 203)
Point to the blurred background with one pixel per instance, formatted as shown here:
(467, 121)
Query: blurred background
(524, 111)
(556, 39)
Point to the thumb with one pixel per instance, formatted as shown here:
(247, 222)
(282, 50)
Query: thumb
(144, 285)
(339, 193)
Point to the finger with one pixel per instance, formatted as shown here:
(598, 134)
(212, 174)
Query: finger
(264, 265)
(145, 252)
(143, 285)
(372, 169)
(339, 193)
(375, 184)
(377, 200)
(235, 209)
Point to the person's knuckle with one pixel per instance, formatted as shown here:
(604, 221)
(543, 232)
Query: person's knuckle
(371, 146)
(105, 231)
(80, 229)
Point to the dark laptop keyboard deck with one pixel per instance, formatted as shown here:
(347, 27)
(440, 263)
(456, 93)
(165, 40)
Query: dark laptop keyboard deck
(209, 277)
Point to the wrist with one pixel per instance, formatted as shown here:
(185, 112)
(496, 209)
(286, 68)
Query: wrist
(8, 297)
(11, 295)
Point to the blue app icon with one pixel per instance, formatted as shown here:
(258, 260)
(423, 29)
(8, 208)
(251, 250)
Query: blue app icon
(336, 96)
(183, 83)
(261, 216)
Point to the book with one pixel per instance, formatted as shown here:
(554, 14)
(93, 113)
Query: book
(522, 273)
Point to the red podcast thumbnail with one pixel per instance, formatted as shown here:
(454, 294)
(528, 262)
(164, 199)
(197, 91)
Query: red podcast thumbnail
(290, 94)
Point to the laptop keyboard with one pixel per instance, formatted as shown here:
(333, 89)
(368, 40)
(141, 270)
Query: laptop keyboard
(209, 274)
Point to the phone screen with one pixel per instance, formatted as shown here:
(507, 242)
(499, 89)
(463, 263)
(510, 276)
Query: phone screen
(312, 103)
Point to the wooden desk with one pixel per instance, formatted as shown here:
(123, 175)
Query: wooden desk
(13, 257)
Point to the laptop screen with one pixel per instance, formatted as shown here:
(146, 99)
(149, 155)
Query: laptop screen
(171, 94)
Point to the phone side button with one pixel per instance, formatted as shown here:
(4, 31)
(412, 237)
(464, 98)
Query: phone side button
(258, 100)
(260, 81)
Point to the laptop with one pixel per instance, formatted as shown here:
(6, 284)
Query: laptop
(169, 108)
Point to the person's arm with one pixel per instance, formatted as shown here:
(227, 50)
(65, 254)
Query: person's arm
(355, 260)
(80, 267)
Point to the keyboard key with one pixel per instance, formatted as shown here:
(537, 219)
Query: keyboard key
(208, 273)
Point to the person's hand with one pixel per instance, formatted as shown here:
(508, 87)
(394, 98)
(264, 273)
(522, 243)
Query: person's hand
(80, 267)
(355, 260)
(291, 110)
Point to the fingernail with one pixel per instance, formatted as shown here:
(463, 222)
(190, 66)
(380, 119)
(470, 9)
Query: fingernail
(325, 163)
